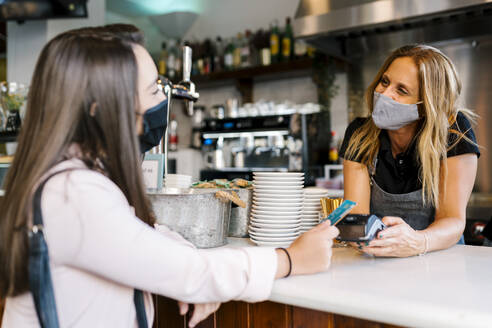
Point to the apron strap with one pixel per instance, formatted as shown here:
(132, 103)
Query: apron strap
(40, 282)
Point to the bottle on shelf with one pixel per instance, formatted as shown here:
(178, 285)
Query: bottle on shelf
(238, 50)
(274, 42)
(173, 133)
(229, 55)
(246, 50)
(287, 41)
(264, 45)
(208, 55)
(194, 56)
(163, 59)
(219, 55)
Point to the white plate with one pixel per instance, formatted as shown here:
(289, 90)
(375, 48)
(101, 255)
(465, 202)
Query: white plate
(276, 220)
(283, 199)
(280, 191)
(278, 183)
(274, 230)
(279, 174)
(272, 243)
(276, 203)
(316, 190)
(311, 208)
(298, 188)
(277, 179)
(310, 212)
(277, 195)
(312, 202)
(276, 213)
(270, 238)
(276, 235)
(315, 222)
(310, 217)
(270, 225)
(278, 208)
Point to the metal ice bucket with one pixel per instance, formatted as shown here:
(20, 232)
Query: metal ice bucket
(238, 227)
(196, 214)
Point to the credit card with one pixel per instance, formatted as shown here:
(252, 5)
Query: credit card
(340, 212)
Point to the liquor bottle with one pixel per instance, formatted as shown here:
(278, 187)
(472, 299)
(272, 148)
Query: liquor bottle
(229, 55)
(163, 59)
(207, 56)
(173, 133)
(264, 45)
(238, 50)
(246, 50)
(274, 43)
(219, 55)
(287, 41)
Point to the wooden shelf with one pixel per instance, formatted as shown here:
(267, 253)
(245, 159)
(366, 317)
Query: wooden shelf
(244, 78)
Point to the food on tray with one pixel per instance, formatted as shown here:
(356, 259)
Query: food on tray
(223, 183)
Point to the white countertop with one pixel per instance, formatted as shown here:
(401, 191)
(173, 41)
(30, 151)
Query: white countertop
(450, 288)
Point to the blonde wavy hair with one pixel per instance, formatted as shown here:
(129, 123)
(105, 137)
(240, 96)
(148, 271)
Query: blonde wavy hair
(440, 88)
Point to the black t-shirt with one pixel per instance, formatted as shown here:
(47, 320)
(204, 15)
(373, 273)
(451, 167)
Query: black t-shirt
(400, 175)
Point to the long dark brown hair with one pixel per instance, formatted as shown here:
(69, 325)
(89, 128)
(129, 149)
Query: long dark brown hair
(74, 73)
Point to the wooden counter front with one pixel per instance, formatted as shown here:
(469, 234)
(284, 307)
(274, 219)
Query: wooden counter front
(258, 315)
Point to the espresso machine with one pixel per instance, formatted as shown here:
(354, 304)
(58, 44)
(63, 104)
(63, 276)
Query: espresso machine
(237, 147)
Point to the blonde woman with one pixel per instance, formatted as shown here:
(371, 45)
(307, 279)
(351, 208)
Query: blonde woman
(413, 161)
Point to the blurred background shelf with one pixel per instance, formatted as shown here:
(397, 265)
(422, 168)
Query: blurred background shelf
(8, 137)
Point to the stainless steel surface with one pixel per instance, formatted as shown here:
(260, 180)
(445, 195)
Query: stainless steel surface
(187, 61)
(195, 214)
(214, 159)
(321, 17)
(239, 157)
(239, 223)
(333, 27)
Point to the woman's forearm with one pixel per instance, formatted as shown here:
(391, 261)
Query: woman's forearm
(444, 233)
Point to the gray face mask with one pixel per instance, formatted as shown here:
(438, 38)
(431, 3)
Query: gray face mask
(391, 115)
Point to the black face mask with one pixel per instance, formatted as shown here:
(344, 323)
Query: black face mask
(154, 126)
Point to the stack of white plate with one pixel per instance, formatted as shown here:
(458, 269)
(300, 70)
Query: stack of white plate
(277, 208)
(311, 207)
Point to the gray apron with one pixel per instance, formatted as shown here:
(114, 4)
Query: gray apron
(410, 206)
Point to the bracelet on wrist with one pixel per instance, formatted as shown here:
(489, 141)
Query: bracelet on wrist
(426, 244)
(290, 261)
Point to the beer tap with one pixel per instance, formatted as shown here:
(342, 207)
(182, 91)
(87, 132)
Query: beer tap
(184, 90)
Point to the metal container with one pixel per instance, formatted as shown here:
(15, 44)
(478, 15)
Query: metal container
(238, 226)
(196, 214)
